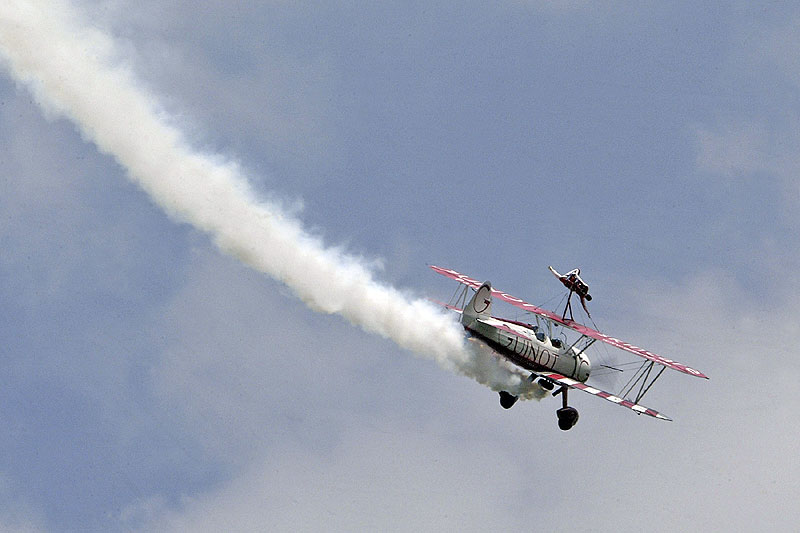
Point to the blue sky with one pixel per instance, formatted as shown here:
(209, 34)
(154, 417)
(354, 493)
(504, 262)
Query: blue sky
(152, 382)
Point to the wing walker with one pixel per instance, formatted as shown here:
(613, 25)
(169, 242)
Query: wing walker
(572, 280)
(543, 348)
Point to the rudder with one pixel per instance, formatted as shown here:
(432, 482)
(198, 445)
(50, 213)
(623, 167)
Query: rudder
(480, 306)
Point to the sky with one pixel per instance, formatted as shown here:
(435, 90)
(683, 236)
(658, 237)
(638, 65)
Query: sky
(155, 378)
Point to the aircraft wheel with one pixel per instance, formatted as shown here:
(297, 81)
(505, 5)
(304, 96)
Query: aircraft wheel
(507, 400)
(567, 418)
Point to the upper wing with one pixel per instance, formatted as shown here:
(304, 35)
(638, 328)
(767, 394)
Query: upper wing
(580, 328)
(569, 382)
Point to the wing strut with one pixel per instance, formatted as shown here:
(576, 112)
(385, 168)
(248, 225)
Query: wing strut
(592, 341)
(459, 299)
(642, 375)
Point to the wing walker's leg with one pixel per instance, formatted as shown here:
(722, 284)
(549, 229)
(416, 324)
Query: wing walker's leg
(568, 307)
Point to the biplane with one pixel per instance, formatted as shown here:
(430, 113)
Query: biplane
(544, 350)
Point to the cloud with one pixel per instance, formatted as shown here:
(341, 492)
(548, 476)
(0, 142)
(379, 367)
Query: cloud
(757, 137)
(389, 479)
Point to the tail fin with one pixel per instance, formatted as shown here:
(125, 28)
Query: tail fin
(480, 306)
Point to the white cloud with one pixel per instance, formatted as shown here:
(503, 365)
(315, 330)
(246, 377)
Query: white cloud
(757, 137)
(384, 480)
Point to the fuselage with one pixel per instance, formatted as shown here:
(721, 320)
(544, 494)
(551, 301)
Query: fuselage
(523, 344)
(528, 347)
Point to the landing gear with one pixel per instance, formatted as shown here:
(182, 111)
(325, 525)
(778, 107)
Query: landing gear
(507, 400)
(567, 416)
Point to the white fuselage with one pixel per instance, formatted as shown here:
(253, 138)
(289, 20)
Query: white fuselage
(529, 348)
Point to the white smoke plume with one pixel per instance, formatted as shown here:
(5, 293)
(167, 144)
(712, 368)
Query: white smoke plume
(75, 71)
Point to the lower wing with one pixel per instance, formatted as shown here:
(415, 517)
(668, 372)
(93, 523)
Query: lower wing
(569, 382)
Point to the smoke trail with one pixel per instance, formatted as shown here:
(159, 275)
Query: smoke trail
(75, 71)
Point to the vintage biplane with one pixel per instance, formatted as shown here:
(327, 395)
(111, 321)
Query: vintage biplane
(544, 348)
